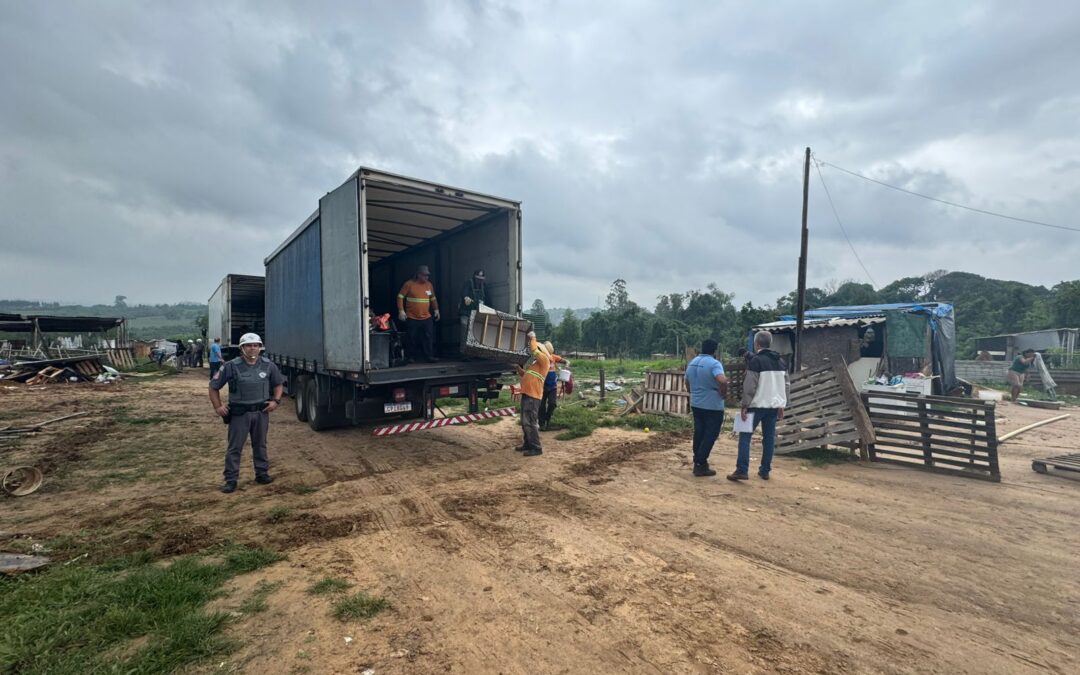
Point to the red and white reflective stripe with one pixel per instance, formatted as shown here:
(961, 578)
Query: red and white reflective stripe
(446, 421)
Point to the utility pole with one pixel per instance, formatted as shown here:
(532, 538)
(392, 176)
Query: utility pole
(800, 308)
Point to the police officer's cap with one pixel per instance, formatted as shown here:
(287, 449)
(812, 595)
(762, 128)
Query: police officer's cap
(250, 339)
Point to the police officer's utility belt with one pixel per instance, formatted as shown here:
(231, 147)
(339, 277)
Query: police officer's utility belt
(241, 408)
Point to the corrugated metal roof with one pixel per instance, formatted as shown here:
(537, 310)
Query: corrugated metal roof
(822, 323)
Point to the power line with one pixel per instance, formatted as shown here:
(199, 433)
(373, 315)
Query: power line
(833, 206)
(945, 201)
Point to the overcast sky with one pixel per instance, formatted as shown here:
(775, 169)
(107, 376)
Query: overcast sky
(147, 149)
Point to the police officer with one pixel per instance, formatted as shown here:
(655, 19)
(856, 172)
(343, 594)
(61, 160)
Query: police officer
(255, 389)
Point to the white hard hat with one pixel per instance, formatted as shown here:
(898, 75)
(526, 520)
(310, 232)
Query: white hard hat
(250, 338)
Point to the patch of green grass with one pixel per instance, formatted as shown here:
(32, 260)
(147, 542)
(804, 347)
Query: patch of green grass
(620, 367)
(359, 605)
(257, 601)
(329, 585)
(824, 456)
(304, 489)
(127, 615)
(278, 514)
(580, 419)
(490, 420)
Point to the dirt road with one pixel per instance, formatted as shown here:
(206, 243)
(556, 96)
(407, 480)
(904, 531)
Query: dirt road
(603, 555)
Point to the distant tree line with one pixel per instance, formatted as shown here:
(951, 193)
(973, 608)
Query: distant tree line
(983, 307)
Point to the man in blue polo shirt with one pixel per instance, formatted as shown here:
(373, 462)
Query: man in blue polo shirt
(708, 386)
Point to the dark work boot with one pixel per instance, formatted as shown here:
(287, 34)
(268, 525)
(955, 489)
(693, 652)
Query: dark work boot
(532, 452)
(702, 470)
(229, 486)
(737, 476)
(264, 479)
(520, 448)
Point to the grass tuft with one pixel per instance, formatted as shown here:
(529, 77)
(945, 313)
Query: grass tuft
(359, 605)
(241, 559)
(257, 602)
(278, 514)
(128, 615)
(329, 585)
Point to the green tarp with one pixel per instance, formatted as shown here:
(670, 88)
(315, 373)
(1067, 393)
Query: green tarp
(906, 334)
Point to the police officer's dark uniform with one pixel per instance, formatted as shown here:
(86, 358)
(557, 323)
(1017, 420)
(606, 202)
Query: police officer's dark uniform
(250, 390)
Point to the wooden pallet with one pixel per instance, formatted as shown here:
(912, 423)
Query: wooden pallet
(666, 393)
(1067, 463)
(823, 409)
(956, 436)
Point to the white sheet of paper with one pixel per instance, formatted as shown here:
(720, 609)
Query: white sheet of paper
(746, 426)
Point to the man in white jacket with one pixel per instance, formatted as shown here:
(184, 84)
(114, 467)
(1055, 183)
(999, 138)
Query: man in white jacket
(765, 394)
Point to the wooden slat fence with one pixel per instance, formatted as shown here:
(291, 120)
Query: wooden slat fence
(823, 409)
(956, 436)
(666, 393)
(121, 357)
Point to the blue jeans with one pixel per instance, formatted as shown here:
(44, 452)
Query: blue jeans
(766, 417)
(707, 425)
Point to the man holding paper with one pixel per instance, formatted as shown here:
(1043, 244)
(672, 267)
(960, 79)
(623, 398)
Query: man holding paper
(765, 393)
(708, 386)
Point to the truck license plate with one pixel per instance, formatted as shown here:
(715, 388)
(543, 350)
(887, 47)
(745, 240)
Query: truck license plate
(397, 407)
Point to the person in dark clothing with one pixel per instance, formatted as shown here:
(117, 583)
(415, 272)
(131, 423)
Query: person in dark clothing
(419, 309)
(765, 394)
(181, 355)
(1018, 371)
(708, 387)
(255, 389)
(473, 294)
(551, 387)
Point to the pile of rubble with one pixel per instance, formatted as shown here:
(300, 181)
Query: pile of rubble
(73, 369)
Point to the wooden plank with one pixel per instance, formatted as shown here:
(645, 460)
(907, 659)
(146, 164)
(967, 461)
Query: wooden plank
(851, 396)
(918, 460)
(944, 471)
(483, 334)
(879, 417)
(934, 442)
(831, 418)
(818, 394)
(964, 440)
(874, 408)
(980, 435)
(818, 432)
(853, 435)
(498, 340)
(949, 400)
(820, 408)
(915, 444)
(891, 444)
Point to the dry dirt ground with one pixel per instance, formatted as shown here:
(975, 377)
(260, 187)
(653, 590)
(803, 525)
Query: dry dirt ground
(603, 555)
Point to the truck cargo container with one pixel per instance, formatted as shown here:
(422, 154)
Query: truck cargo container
(345, 265)
(236, 307)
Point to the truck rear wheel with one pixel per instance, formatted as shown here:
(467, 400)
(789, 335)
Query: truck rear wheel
(299, 387)
(318, 417)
